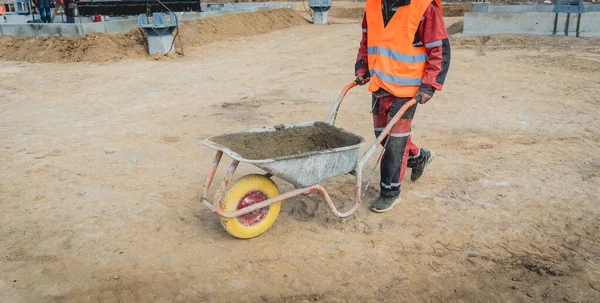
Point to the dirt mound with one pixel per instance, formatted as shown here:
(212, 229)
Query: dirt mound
(456, 9)
(208, 30)
(455, 28)
(347, 12)
(103, 48)
(91, 47)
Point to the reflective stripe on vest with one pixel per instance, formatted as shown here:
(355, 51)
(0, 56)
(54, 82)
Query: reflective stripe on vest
(386, 52)
(394, 79)
(395, 64)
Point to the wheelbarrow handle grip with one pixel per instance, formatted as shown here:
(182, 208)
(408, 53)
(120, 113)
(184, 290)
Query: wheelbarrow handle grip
(336, 106)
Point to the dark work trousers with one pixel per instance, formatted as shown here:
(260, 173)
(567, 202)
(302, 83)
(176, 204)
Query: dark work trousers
(44, 8)
(69, 10)
(398, 144)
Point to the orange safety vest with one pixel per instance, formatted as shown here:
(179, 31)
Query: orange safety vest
(394, 63)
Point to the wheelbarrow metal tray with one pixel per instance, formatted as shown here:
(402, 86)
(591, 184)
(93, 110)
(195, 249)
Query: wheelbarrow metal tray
(301, 169)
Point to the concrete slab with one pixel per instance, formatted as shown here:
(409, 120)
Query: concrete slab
(479, 7)
(529, 23)
(97, 27)
(320, 17)
(206, 7)
(19, 19)
(160, 44)
(119, 26)
(196, 16)
(40, 29)
(232, 8)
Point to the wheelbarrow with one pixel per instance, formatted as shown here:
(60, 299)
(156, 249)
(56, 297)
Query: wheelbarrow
(250, 206)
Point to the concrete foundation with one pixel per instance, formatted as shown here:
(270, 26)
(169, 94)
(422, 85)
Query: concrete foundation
(480, 7)
(16, 18)
(12, 18)
(320, 17)
(320, 8)
(160, 44)
(529, 23)
(207, 7)
(18, 27)
(67, 29)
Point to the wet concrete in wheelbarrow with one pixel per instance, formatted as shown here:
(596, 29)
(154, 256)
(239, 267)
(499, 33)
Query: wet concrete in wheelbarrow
(287, 141)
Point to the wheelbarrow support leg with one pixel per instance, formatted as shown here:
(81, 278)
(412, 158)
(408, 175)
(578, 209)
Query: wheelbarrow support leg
(334, 209)
(225, 183)
(210, 176)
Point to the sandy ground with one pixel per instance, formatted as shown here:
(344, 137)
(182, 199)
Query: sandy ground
(101, 168)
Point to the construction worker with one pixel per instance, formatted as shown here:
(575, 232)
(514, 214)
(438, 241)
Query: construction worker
(3, 12)
(44, 8)
(404, 54)
(69, 8)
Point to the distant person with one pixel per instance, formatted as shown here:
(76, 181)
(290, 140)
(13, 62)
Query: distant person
(69, 7)
(3, 12)
(44, 8)
(405, 54)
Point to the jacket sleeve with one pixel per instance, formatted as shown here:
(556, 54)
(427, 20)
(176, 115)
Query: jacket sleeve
(432, 32)
(362, 67)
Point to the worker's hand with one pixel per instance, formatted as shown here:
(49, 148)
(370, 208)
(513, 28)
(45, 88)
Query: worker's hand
(422, 97)
(424, 94)
(362, 72)
(363, 78)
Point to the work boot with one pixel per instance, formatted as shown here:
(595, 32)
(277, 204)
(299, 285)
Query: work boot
(384, 204)
(420, 163)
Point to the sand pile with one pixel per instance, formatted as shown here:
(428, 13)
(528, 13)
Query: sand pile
(103, 48)
(456, 9)
(455, 28)
(347, 12)
(284, 142)
(214, 29)
(91, 47)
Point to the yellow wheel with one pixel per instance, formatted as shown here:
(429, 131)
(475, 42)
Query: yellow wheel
(245, 191)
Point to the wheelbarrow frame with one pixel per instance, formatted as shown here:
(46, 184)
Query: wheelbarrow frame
(216, 206)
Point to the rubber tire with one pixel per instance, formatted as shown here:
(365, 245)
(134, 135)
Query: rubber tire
(236, 192)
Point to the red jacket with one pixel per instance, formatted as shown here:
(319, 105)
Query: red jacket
(431, 33)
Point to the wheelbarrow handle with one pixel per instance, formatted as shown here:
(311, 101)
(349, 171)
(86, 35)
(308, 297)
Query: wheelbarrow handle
(336, 106)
